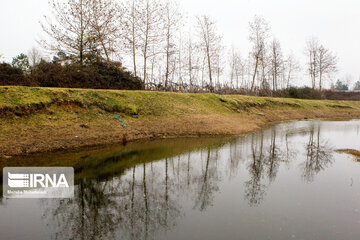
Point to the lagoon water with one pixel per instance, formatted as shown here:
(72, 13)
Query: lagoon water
(282, 182)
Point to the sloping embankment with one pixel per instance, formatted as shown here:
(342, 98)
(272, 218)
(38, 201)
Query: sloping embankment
(49, 119)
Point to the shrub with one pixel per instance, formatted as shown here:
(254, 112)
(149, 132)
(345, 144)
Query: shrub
(112, 76)
(10, 75)
(304, 93)
(96, 76)
(342, 95)
(48, 74)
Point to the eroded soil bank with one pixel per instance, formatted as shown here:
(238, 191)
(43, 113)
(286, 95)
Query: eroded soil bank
(46, 119)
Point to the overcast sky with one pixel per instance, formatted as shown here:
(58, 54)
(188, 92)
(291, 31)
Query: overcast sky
(336, 23)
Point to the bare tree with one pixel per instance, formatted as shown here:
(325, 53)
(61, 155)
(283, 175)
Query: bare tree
(190, 59)
(130, 21)
(265, 63)
(219, 67)
(172, 24)
(327, 62)
(236, 68)
(154, 63)
(209, 42)
(291, 67)
(322, 62)
(232, 61)
(312, 49)
(259, 32)
(71, 30)
(151, 21)
(180, 61)
(276, 60)
(104, 19)
(35, 56)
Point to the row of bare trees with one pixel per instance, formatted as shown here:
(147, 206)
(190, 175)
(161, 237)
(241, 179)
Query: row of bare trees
(152, 38)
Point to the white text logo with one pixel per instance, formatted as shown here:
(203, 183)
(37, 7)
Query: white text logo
(38, 182)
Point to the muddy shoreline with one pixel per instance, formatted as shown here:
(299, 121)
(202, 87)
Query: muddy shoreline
(22, 141)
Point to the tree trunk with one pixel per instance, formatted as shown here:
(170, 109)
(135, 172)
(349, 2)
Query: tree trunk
(209, 65)
(167, 57)
(133, 38)
(254, 75)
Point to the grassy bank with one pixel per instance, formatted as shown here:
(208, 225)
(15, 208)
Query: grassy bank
(48, 119)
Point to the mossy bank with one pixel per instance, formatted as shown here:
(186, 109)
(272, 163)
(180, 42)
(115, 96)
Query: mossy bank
(50, 119)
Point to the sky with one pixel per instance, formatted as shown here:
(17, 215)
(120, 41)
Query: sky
(335, 23)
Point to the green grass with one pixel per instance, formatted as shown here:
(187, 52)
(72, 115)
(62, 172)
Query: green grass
(155, 103)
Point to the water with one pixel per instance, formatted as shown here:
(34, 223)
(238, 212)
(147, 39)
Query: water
(283, 182)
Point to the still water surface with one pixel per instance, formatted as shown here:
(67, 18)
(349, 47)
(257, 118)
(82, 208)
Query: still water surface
(283, 182)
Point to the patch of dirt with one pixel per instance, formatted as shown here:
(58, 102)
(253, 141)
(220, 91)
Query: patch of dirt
(339, 106)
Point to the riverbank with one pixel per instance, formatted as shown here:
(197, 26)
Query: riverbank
(49, 119)
(352, 152)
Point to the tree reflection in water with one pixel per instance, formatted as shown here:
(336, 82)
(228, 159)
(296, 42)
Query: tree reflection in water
(254, 188)
(139, 201)
(90, 214)
(318, 155)
(207, 183)
(266, 158)
(134, 205)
